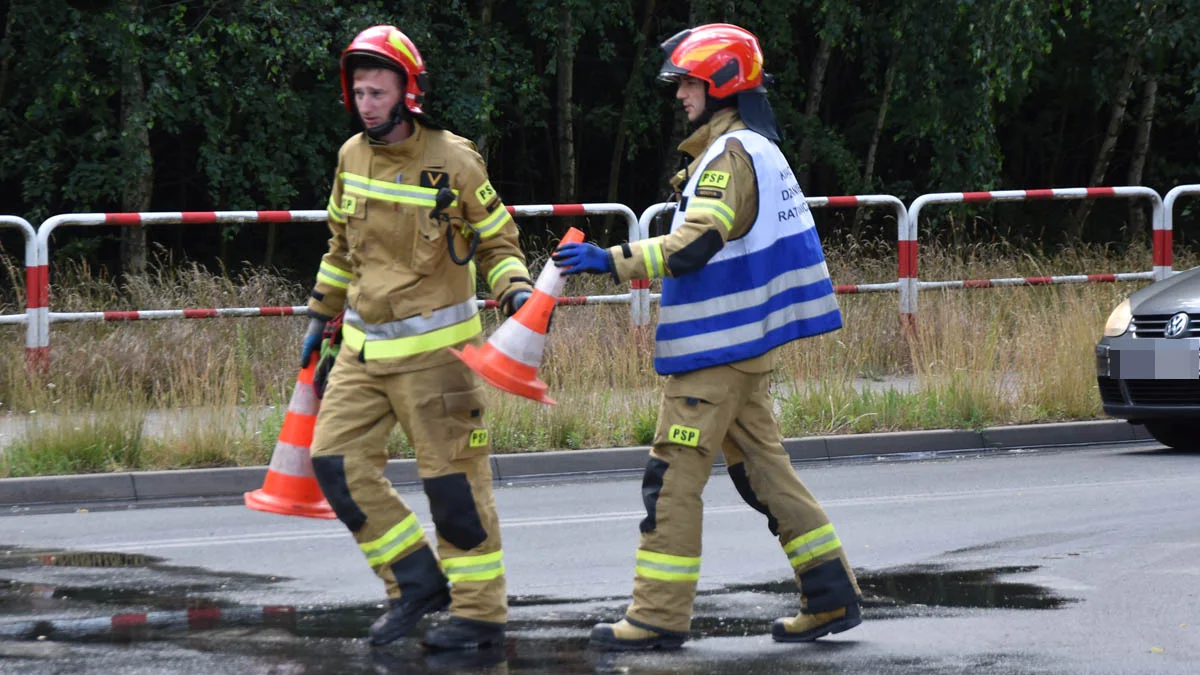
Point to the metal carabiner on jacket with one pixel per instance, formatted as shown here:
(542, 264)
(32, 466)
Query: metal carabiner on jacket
(444, 198)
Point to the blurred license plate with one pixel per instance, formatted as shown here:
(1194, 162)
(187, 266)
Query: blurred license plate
(1157, 360)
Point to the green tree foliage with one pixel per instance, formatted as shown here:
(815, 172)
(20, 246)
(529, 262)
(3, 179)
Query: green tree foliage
(903, 97)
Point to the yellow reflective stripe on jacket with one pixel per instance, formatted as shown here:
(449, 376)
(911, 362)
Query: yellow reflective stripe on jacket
(653, 255)
(509, 265)
(666, 567)
(491, 226)
(400, 537)
(334, 276)
(390, 192)
(714, 206)
(812, 545)
(334, 212)
(393, 348)
(474, 567)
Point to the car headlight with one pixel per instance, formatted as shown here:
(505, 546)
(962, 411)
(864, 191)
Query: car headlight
(1118, 321)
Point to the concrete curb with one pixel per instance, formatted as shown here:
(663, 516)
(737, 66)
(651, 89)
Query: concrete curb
(226, 483)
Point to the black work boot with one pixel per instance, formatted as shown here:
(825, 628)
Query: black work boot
(423, 590)
(461, 634)
(624, 636)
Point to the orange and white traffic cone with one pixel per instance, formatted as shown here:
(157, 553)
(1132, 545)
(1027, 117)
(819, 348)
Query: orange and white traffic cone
(509, 360)
(291, 488)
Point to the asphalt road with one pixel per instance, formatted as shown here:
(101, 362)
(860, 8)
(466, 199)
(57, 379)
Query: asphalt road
(1079, 561)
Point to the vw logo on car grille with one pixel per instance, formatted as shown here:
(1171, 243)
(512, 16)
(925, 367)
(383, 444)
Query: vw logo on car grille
(1177, 326)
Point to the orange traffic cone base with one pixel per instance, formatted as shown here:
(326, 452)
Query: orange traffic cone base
(303, 498)
(495, 375)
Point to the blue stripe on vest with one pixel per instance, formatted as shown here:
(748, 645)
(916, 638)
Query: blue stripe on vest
(785, 298)
(744, 272)
(797, 329)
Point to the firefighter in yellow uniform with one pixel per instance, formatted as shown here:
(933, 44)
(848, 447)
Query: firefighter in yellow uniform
(743, 273)
(408, 292)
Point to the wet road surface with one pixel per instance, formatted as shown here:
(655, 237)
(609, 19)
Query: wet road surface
(1051, 562)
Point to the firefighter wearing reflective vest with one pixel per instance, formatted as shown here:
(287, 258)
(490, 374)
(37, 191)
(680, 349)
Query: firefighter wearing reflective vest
(743, 273)
(390, 268)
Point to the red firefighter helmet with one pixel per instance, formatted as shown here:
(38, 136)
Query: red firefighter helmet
(725, 56)
(386, 47)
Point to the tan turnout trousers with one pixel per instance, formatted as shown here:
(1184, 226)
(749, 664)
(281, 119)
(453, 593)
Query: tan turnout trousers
(441, 411)
(723, 408)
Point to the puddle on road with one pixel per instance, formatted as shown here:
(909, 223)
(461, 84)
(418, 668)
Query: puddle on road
(547, 635)
(961, 588)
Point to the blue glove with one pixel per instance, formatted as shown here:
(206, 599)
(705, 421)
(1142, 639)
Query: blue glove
(514, 301)
(586, 257)
(312, 340)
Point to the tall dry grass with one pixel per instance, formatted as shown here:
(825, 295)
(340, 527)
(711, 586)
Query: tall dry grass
(159, 394)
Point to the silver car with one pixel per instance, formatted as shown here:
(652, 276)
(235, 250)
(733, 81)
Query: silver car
(1148, 362)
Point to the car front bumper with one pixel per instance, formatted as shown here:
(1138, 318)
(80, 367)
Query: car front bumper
(1148, 379)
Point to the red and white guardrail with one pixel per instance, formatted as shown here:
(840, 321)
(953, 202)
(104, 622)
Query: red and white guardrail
(1163, 243)
(38, 318)
(45, 317)
(35, 298)
(38, 340)
(1162, 238)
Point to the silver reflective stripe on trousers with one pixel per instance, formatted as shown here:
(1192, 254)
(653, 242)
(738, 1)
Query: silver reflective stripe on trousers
(414, 325)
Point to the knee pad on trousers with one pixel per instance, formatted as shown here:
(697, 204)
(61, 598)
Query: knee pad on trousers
(453, 508)
(827, 587)
(737, 473)
(330, 471)
(652, 482)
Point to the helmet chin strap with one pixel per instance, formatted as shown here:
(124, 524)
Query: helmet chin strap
(398, 116)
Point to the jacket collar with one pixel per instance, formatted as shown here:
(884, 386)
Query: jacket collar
(723, 121)
(408, 147)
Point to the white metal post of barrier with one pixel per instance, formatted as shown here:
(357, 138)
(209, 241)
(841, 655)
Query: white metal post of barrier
(34, 298)
(1163, 238)
(1128, 192)
(637, 315)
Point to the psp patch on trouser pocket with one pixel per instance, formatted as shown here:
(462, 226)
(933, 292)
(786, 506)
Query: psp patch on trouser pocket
(688, 416)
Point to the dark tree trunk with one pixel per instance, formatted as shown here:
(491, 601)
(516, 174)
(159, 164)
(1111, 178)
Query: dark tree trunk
(136, 159)
(1141, 147)
(1115, 122)
(812, 106)
(483, 143)
(889, 81)
(618, 153)
(565, 66)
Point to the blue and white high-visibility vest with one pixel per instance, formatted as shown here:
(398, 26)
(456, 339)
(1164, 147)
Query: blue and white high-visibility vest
(762, 290)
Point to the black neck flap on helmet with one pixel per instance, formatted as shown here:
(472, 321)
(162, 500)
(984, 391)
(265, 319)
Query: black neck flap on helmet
(756, 113)
(752, 106)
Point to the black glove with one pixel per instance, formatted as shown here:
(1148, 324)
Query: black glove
(331, 344)
(514, 301)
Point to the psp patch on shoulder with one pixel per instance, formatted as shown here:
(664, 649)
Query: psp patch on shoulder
(479, 438)
(717, 179)
(485, 193)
